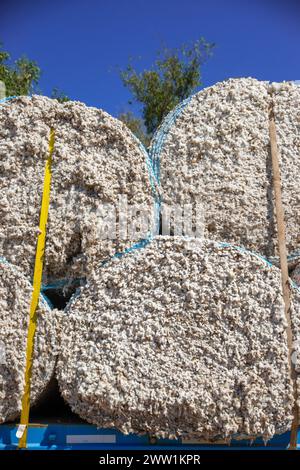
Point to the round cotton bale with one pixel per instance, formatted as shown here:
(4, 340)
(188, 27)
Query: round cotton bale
(96, 161)
(184, 338)
(214, 150)
(15, 297)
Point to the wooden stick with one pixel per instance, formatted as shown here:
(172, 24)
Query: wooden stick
(284, 267)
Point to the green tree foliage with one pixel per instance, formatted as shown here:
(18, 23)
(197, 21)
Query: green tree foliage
(136, 125)
(175, 74)
(20, 76)
(59, 95)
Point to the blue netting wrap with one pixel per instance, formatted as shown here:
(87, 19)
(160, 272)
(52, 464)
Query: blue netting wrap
(161, 134)
(8, 98)
(154, 182)
(262, 258)
(244, 250)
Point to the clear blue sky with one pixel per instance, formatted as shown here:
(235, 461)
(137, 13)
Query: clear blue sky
(79, 44)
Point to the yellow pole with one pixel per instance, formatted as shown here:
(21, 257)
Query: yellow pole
(37, 282)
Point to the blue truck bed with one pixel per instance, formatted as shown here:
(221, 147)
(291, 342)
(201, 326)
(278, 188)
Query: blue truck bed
(85, 436)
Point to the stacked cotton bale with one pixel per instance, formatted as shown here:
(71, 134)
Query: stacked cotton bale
(15, 296)
(215, 150)
(181, 338)
(96, 159)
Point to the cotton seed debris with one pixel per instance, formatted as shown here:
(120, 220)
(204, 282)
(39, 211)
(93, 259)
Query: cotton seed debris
(184, 338)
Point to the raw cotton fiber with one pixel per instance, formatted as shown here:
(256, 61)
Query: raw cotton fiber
(214, 150)
(96, 159)
(184, 338)
(15, 296)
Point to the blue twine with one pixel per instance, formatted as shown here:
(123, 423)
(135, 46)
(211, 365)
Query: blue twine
(137, 246)
(244, 250)
(161, 134)
(8, 98)
(154, 183)
(61, 283)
